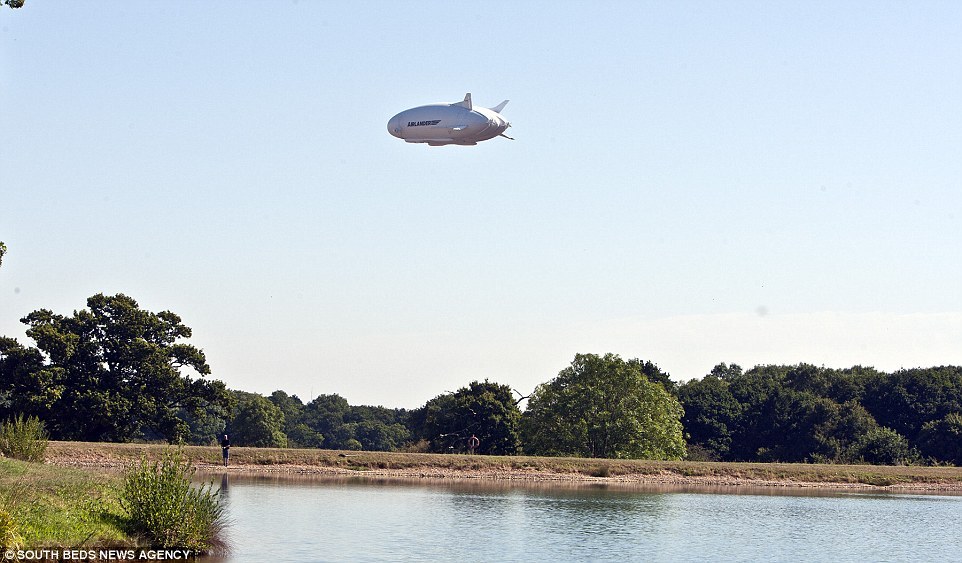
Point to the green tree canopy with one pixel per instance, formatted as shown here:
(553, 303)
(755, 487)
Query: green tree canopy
(325, 416)
(884, 446)
(785, 413)
(374, 435)
(604, 407)
(28, 386)
(809, 413)
(942, 439)
(484, 409)
(257, 422)
(711, 411)
(111, 372)
(208, 425)
(330, 422)
(908, 399)
(299, 434)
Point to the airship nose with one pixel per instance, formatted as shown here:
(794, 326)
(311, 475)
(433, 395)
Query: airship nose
(394, 126)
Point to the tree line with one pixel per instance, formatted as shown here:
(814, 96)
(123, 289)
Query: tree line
(805, 413)
(116, 372)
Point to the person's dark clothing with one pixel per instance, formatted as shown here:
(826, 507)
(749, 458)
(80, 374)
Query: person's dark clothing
(225, 448)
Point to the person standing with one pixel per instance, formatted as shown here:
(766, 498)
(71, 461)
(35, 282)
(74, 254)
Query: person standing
(225, 447)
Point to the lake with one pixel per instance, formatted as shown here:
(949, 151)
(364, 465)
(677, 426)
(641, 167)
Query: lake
(361, 519)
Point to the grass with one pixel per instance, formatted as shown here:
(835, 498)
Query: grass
(10, 538)
(154, 505)
(56, 506)
(421, 463)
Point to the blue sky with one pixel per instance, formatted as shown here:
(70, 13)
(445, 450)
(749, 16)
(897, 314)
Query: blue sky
(692, 183)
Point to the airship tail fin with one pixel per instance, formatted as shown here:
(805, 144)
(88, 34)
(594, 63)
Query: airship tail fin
(499, 107)
(466, 103)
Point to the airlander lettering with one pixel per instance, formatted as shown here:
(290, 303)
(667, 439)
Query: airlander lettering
(464, 124)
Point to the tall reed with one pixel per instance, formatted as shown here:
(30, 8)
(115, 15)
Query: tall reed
(167, 511)
(23, 438)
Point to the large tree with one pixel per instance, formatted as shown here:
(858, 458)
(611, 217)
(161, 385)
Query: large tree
(325, 417)
(809, 413)
(483, 409)
(299, 434)
(116, 372)
(257, 422)
(909, 398)
(942, 439)
(604, 407)
(329, 421)
(711, 412)
(27, 385)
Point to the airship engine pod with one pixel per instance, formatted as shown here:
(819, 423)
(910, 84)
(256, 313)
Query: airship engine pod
(459, 123)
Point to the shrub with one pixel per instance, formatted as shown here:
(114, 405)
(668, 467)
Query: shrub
(600, 471)
(699, 452)
(23, 438)
(422, 446)
(883, 446)
(167, 511)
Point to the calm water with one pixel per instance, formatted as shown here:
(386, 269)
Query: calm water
(363, 520)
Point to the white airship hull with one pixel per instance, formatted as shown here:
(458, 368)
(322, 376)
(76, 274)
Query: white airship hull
(449, 124)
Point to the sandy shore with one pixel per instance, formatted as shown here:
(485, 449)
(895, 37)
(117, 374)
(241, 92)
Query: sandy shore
(661, 479)
(319, 464)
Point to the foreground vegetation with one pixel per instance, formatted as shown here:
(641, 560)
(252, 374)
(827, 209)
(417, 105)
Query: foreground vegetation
(23, 438)
(166, 510)
(58, 506)
(510, 467)
(152, 505)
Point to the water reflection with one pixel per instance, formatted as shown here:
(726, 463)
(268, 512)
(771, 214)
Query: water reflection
(559, 487)
(315, 518)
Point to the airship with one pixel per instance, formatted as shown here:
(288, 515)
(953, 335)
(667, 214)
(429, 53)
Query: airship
(460, 123)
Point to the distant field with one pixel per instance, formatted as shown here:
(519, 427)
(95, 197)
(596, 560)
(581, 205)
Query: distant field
(274, 460)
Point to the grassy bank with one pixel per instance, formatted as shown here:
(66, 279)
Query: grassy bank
(58, 506)
(269, 460)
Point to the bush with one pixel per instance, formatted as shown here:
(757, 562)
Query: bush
(422, 446)
(698, 452)
(884, 446)
(167, 511)
(24, 439)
